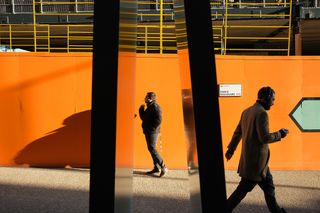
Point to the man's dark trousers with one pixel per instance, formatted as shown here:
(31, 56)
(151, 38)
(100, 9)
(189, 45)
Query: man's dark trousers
(151, 139)
(246, 186)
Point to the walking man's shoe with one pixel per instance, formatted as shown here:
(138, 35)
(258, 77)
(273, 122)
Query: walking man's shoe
(154, 170)
(164, 171)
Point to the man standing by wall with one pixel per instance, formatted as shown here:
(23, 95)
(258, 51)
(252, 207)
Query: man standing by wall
(151, 120)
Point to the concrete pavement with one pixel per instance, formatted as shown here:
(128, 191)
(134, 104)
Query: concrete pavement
(296, 191)
(39, 190)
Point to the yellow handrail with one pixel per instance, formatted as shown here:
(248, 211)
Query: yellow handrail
(159, 37)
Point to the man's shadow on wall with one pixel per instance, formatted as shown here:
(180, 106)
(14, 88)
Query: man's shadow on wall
(65, 146)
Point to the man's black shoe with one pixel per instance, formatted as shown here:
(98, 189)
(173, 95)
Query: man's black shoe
(154, 170)
(164, 171)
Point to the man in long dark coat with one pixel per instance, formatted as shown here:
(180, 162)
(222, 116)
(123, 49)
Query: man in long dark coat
(253, 169)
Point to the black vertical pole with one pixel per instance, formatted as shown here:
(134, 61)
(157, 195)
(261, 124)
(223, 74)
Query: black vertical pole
(206, 105)
(104, 106)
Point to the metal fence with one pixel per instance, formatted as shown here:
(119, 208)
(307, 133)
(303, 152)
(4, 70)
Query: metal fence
(264, 23)
(46, 6)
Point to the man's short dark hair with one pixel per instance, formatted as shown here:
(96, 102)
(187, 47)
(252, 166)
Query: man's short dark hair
(151, 95)
(265, 93)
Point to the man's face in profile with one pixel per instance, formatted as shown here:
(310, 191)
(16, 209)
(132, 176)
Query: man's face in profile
(270, 102)
(147, 99)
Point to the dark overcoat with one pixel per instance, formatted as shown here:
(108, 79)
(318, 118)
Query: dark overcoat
(253, 129)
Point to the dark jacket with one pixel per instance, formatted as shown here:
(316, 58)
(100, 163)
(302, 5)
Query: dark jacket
(253, 129)
(151, 118)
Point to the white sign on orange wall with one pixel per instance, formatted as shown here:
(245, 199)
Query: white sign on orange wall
(230, 90)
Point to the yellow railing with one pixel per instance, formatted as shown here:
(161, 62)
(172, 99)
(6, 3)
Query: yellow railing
(279, 27)
(159, 36)
(151, 39)
(47, 37)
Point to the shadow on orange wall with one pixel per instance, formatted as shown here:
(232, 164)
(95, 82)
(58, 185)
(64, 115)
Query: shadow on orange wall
(34, 106)
(65, 146)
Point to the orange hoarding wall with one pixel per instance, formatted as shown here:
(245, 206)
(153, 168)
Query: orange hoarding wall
(291, 77)
(45, 109)
(160, 74)
(125, 110)
(46, 101)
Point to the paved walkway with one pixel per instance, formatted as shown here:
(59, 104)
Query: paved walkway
(296, 191)
(35, 190)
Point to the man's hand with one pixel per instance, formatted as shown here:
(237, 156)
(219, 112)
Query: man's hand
(141, 111)
(228, 155)
(141, 107)
(283, 132)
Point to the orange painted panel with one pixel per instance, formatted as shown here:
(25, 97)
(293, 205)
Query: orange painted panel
(287, 76)
(159, 73)
(125, 110)
(46, 106)
(45, 109)
(291, 77)
(184, 65)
